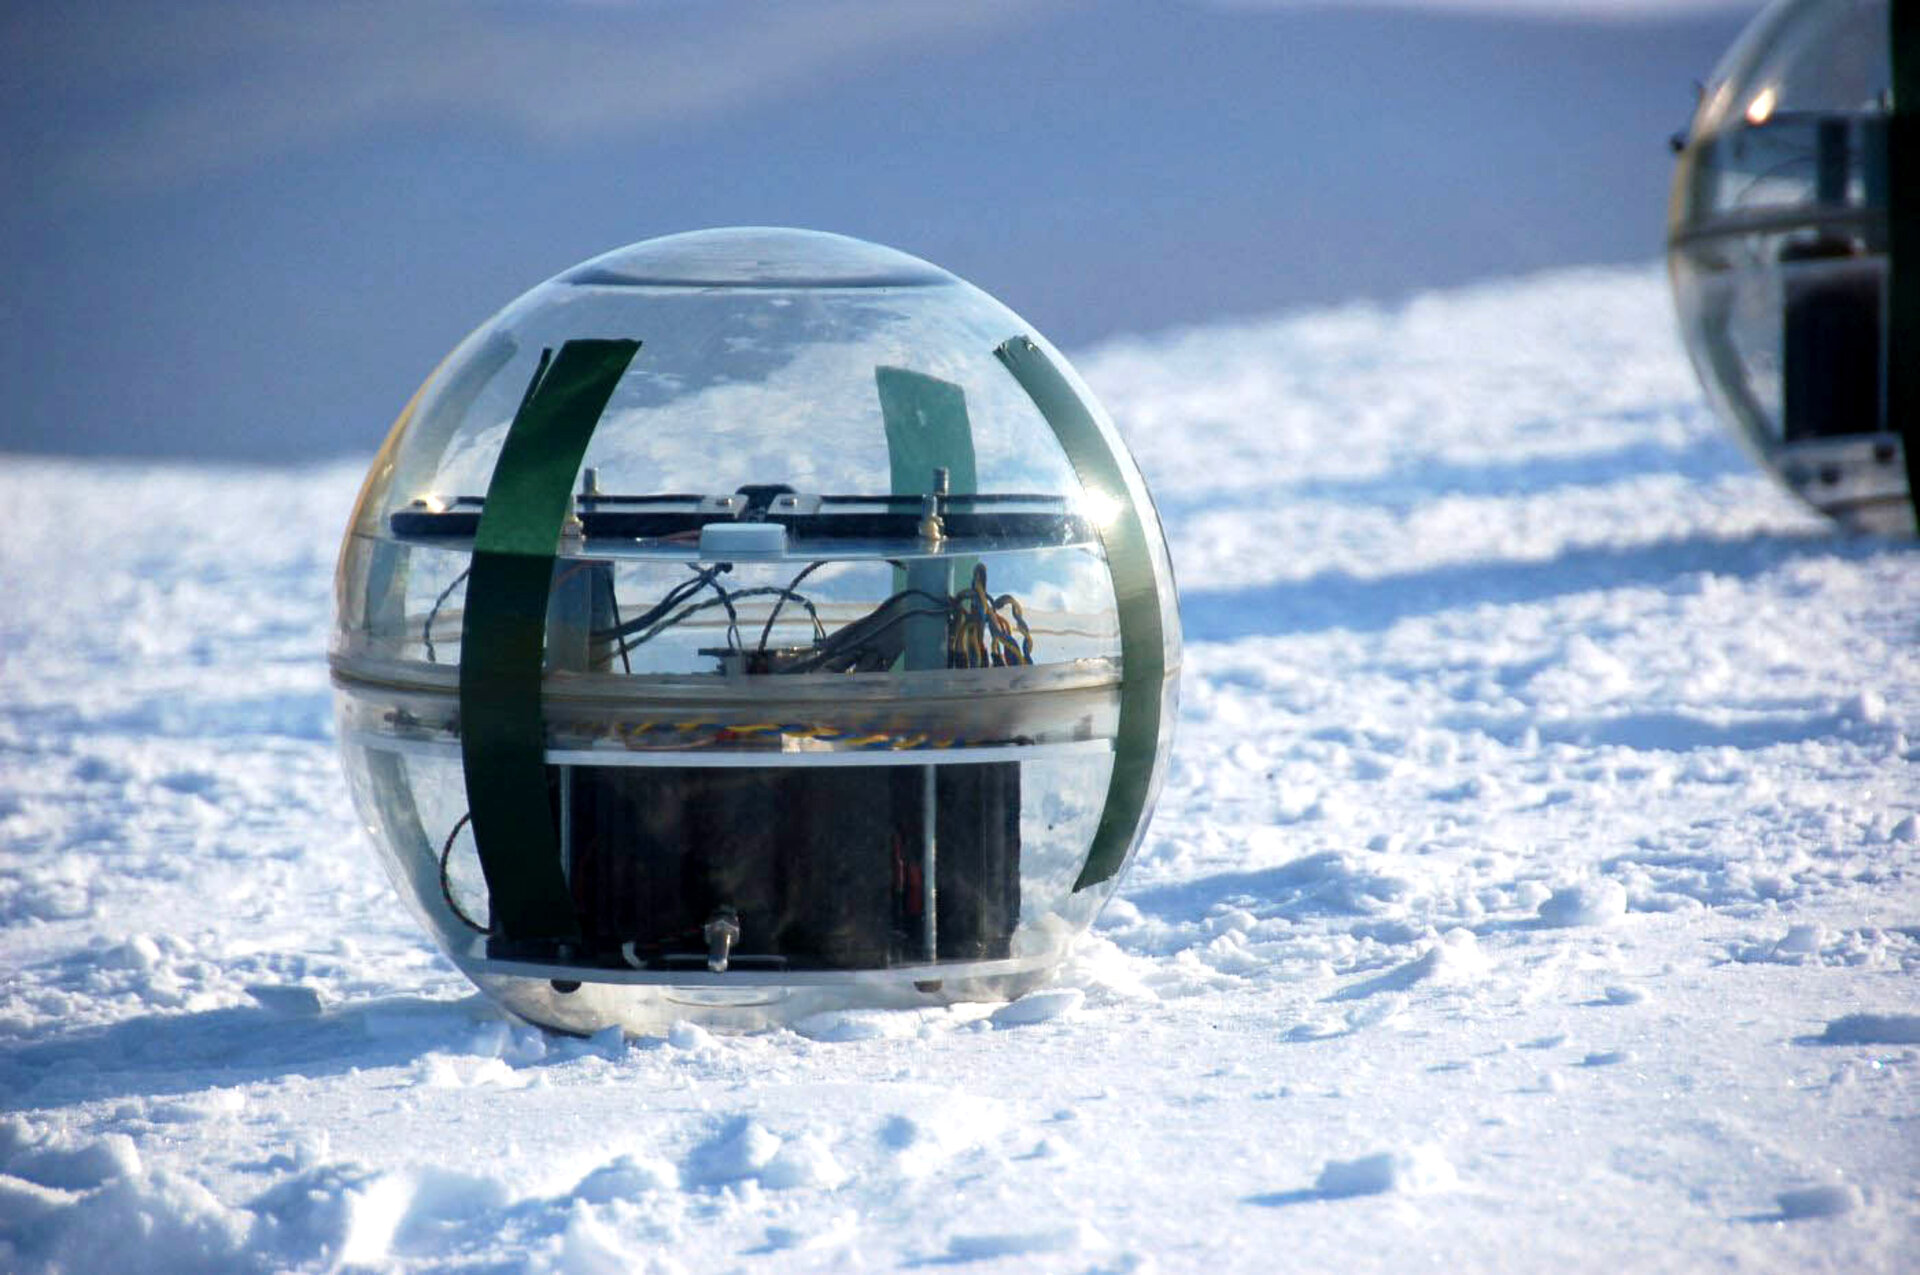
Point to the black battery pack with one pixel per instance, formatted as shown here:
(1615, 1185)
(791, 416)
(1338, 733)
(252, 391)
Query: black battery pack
(820, 867)
(1831, 356)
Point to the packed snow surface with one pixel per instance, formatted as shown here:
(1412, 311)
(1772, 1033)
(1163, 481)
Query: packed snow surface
(1536, 887)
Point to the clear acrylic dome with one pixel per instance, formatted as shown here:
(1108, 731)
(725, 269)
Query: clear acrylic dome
(1778, 252)
(752, 622)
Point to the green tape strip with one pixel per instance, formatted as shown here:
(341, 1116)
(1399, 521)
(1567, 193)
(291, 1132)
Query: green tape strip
(503, 637)
(927, 428)
(1136, 593)
(1903, 240)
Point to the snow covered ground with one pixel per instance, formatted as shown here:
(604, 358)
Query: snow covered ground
(1537, 886)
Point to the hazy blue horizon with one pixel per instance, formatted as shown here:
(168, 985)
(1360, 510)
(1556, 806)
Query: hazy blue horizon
(249, 231)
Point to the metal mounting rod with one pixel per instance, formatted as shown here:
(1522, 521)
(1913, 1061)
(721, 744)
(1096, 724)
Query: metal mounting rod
(929, 861)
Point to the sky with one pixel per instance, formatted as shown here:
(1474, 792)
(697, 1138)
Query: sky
(246, 231)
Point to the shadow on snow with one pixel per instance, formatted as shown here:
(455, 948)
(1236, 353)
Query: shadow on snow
(1416, 481)
(1325, 884)
(185, 1053)
(1338, 600)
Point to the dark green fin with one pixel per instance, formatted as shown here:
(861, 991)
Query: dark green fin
(502, 732)
(1136, 593)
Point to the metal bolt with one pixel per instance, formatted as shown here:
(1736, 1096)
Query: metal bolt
(721, 932)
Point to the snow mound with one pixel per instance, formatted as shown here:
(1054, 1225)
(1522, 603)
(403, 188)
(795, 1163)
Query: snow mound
(394, 1213)
(1415, 1170)
(925, 1141)
(689, 1037)
(1830, 1200)
(91, 1205)
(836, 1230)
(1590, 903)
(1455, 961)
(980, 1246)
(627, 1177)
(60, 1161)
(805, 1161)
(289, 1000)
(1873, 1029)
(740, 1150)
(843, 1026)
(588, 1247)
(1039, 1007)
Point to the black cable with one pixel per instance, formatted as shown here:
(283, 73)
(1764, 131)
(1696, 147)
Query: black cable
(938, 598)
(613, 605)
(676, 595)
(683, 613)
(785, 593)
(426, 629)
(792, 584)
(446, 880)
(900, 617)
(726, 600)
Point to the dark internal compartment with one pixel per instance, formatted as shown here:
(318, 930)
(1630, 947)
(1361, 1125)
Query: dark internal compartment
(823, 866)
(1831, 361)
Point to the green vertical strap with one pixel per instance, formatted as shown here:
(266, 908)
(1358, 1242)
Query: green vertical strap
(1136, 592)
(927, 428)
(1903, 240)
(502, 734)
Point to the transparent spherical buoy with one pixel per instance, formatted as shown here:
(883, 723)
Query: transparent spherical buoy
(750, 623)
(1778, 253)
